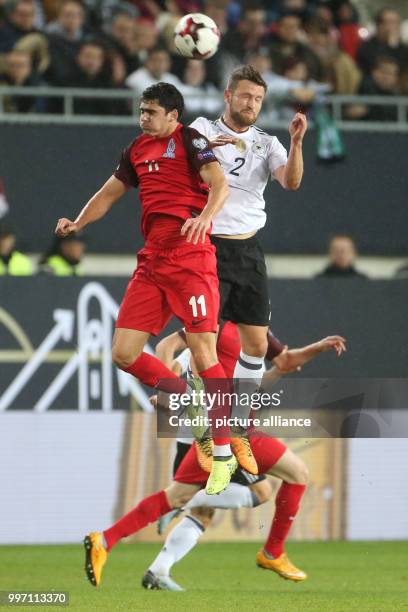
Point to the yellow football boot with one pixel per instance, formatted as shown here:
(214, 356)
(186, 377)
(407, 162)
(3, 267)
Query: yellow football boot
(204, 450)
(281, 566)
(95, 557)
(221, 472)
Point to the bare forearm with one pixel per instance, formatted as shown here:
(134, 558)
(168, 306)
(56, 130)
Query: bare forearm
(294, 167)
(216, 200)
(95, 209)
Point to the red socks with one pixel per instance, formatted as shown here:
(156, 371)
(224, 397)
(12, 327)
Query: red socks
(147, 511)
(153, 373)
(216, 371)
(287, 505)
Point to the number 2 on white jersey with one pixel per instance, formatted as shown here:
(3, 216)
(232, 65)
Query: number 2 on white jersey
(201, 301)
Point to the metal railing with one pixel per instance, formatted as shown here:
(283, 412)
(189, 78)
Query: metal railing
(337, 103)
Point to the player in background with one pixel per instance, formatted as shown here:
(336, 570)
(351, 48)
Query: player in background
(271, 456)
(245, 490)
(249, 163)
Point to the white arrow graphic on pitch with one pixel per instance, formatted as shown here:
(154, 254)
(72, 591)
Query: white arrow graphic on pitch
(63, 329)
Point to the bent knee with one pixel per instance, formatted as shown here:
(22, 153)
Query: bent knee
(301, 474)
(204, 515)
(262, 490)
(255, 348)
(122, 358)
(204, 359)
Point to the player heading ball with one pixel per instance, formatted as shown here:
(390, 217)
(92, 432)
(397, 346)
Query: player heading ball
(182, 187)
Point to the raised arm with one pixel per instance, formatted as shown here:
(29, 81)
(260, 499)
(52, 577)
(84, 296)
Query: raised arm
(290, 175)
(96, 207)
(196, 229)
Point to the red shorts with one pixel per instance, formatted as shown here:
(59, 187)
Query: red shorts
(267, 451)
(179, 281)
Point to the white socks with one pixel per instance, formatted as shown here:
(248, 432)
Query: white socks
(234, 496)
(222, 450)
(178, 544)
(250, 367)
(187, 532)
(249, 371)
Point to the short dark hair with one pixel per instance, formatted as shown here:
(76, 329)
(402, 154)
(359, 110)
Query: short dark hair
(380, 14)
(384, 59)
(157, 49)
(245, 73)
(166, 95)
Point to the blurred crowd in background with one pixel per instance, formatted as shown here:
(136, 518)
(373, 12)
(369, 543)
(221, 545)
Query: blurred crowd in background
(304, 49)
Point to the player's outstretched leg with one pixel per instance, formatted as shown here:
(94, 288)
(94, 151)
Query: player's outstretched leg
(273, 556)
(99, 544)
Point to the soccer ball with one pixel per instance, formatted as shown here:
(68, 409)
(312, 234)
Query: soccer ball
(196, 36)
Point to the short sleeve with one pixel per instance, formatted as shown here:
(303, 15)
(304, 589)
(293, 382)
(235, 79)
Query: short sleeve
(125, 171)
(277, 155)
(202, 125)
(198, 148)
(275, 347)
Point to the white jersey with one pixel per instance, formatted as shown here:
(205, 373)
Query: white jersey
(247, 166)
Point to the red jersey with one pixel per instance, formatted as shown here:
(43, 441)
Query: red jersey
(167, 170)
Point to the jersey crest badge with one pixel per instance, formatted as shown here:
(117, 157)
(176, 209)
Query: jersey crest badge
(171, 148)
(259, 149)
(200, 143)
(240, 145)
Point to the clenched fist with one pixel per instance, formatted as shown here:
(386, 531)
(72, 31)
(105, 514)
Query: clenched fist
(65, 227)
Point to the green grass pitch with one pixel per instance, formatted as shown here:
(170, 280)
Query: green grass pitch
(343, 576)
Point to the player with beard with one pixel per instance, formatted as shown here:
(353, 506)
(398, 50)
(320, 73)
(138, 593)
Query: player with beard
(253, 158)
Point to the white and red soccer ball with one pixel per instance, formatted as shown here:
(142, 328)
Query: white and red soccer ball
(196, 36)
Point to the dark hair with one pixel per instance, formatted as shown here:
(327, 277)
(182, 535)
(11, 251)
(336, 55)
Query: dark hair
(157, 49)
(380, 15)
(384, 59)
(55, 247)
(166, 95)
(92, 42)
(245, 73)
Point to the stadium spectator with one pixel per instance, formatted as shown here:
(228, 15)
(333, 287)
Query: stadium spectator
(285, 92)
(199, 95)
(147, 38)
(12, 261)
(19, 21)
(65, 36)
(248, 35)
(166, 22)
(383, 81)
(102, 12)
(123, 35)
(156, 68)
(94, 71)
(386, 42)
(64, 257)
(347, 19)
(18, 72)
(339, 68)
(217, 10)
(342, 258)
(286, 43)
